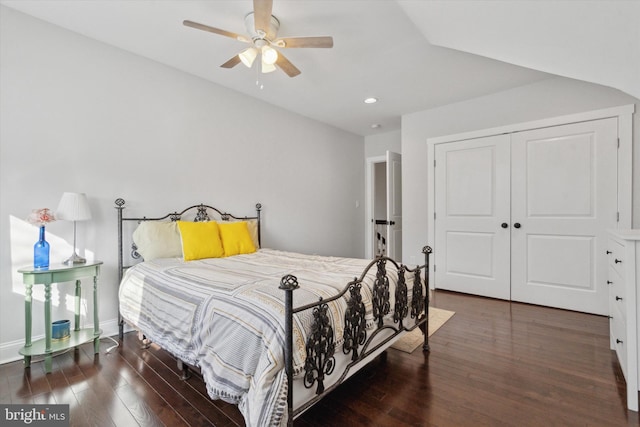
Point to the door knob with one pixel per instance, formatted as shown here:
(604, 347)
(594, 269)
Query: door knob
(517, 225)
(504, 225)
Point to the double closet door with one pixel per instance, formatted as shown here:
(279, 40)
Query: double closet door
(523, 216)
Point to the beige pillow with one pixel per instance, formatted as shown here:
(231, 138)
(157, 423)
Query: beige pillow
(158, 239)
(252, 225)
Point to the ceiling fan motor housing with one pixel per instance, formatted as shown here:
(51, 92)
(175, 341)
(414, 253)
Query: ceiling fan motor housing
(261, 37)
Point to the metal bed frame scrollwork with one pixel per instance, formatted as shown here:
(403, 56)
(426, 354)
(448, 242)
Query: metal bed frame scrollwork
(320, 346)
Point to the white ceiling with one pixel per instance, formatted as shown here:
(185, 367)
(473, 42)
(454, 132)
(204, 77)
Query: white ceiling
(596, 41)
(381, 48)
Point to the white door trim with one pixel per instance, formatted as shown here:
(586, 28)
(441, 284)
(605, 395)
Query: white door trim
(369, 200)
(394, 205)
(625, 159)
(543, 123)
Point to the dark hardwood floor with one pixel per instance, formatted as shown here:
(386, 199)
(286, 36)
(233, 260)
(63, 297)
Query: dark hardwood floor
(494, 363)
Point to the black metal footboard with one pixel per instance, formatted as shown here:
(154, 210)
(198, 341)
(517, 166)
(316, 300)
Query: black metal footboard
(320, 346)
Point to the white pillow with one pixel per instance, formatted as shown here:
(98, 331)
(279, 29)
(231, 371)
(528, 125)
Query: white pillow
(158, 239)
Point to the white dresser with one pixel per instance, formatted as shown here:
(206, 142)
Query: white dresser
(623, 252)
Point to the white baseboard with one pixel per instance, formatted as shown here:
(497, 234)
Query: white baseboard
(9, 350)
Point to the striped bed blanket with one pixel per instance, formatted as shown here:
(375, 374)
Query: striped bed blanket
(226, 316)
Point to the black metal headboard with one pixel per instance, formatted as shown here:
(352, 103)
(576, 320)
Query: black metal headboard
(195, 213)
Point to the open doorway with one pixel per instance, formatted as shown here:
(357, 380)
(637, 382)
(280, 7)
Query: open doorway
(384, 206)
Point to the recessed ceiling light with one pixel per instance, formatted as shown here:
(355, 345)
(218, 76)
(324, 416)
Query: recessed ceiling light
(370, 100)
(376, 126)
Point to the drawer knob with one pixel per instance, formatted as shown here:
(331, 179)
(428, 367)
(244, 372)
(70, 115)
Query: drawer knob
(618, 261)
(609, 252)
(618, 298)
(609, 282)
(618, 341)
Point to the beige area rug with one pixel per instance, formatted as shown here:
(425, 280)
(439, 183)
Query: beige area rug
(414, 339)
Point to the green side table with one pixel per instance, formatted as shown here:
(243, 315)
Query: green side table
(58, 274)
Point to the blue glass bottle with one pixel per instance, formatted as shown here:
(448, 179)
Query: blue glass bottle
(41, 252)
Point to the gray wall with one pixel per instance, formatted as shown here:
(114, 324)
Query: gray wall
(379, 144)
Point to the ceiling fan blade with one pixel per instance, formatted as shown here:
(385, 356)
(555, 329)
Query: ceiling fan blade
(324, 41)
(215, 31)
(232, 62)
(262, 14)
(286, 66)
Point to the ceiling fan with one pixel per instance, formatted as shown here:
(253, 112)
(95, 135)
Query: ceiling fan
(262, 28)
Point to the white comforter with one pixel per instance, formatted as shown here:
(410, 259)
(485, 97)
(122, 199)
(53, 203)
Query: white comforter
(226, 316)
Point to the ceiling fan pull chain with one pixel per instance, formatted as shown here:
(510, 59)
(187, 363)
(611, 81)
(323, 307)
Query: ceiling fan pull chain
(259, 83)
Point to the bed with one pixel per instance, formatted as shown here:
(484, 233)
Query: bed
(270, 331)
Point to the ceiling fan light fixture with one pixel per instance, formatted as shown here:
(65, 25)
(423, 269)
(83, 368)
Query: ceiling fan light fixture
(269, 55)
(267, 68)
(247, 56)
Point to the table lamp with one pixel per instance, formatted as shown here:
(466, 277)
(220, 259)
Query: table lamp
(74, 207)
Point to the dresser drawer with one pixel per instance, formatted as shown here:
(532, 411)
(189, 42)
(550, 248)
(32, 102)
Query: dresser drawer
(616, 257)
(619, 338)
(617, 291)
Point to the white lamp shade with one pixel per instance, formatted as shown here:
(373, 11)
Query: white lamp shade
(267, 68)
(269, 55)
(73, 207)
(248, 56)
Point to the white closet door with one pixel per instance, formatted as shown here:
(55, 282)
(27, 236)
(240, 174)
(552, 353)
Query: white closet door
(564, 197)
(471, 206)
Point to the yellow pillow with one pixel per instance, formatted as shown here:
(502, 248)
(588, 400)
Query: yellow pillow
(200, 240)
(236, 238)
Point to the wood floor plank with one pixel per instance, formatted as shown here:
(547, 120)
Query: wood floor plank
(95, 410)
(195, 408)
(105, 394)
(200, 397)
(150, 406)
(38, 383)
(19, 386)
(46, 398)
(64, 395)
(134, 399)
